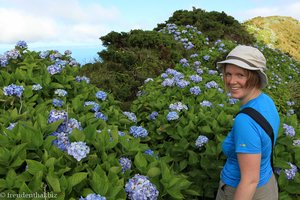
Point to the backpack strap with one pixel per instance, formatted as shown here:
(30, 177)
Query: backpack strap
(254, 114)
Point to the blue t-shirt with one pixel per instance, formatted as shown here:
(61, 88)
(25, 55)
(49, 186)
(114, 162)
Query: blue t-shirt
(246, 136)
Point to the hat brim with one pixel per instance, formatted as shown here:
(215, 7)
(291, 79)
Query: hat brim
(262, 75)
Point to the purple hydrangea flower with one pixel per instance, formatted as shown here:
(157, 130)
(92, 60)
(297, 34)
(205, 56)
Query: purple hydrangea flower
(3, 60)
(206, 57)
(44, 54)
(139, 187)
(61, 141)
(195, 90)
(168, 82)
(78, 150)
(13, 90)
(82, 78)
(211, 84)
(201, 141)
(182, 83)
(125, 164)
(138, 131)
(101, 95)
(289, 130)
(212, 72)
(54, 69)
(206, 103)
(196, 78)
(21, 44)
(178, 106)
(291, 173)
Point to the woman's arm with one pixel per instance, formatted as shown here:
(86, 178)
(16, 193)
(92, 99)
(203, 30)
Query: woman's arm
(250, 169)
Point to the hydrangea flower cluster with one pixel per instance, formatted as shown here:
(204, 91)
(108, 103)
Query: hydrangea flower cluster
(57, 102)
(36, 87)
(56, 115)
(177, 79)
(78, 150)
(60, 92)
(62, 140)
(138, 131)
(296, 142)
(291, 173)
(69, 125)
(196, 78)
(184, 62)
(153, 115)
(125, 164)
(139, 187)
(201, 141)
(96, 107)
(54, 69)
(44, 54)
(289, 130)
(148, 80)
(82, 78)
(100, 115)
(149, 152)
(13, 90)
(93, 197)
(131, 116)
(21, 44)
(178, 106)
(206, 103)
(195, 90)
(172, 116)
(101, 95)
(11, 126)
(211, 84)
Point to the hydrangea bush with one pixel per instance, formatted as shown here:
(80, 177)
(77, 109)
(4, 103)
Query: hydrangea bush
(193, 114)
(63, 135)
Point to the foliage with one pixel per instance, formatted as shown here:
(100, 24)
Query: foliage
(70, 148)
(209, 114)
(215, 25)
(277, 32)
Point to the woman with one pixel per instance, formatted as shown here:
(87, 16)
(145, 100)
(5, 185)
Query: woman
(247, 173)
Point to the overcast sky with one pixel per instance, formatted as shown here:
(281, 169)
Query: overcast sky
(80, 23)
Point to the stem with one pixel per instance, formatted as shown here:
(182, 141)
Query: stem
(21, 105)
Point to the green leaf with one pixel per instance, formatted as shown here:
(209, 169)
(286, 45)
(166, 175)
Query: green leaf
(53, 181)
(35, 166)
(153, 172)
(76, 178)
(140, 161)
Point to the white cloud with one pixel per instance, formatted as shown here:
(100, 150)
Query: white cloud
(291, 10)
(54, 21)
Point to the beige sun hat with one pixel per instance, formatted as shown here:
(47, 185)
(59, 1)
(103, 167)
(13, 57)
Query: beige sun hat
(247, 57)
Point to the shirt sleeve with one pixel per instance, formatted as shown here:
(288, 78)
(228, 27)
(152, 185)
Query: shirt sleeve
(246, 135)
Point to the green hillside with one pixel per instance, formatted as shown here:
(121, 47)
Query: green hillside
(277, 32)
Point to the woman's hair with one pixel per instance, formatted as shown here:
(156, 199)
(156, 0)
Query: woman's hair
(253, 79)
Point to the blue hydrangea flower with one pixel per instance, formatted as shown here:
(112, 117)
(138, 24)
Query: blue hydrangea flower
(13, 90)
(206, 103)
(3, 60)
(12, 54)
(131, 116)
(212, 72)
(178, 106)
(68, 52)
(201, 141)
(296, 142)
(148, 80)
(100, 115)
(182, 83)
(195, 90)
(69, 125)
(172, 116)
(54, 69)
(289, 130)
(21, 44)
(206, 57)
(291, 173)
(199, 71)
(78, 150)
(82, 78)
(44, 54)
(96, 106)
(184, 62)
(36, 87)
(196, 78)
(149, 152)
(168, 82)
(125, 164)
(93, 197)
(11, 126)
(56, 115)
(233, 101)
(138, 131)
(57, 102)
(139, 187)
(164, 75)
(61, 141)
(121, 133)
(197, 63)
(60, 92)
(153, 115)
(211, 84)
(101, 95)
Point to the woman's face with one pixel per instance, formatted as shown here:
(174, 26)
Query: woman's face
(235, 80)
